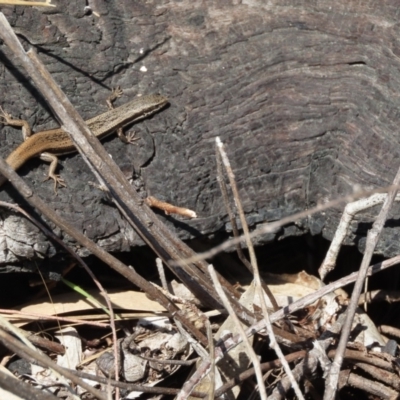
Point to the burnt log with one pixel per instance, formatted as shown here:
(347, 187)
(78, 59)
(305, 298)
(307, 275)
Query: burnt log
(303, 94)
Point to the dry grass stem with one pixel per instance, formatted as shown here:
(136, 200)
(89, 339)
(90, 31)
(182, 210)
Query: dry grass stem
(34, 317)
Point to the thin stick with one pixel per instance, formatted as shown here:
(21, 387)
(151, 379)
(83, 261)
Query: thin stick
(274, 226)
(228, 208)
(231, 342)
(372, 240)
(349, 212)
(153, 232)
(201, 371)
(22, 390)
(267, 366)
(232, 219)
(114, 263)
(32, 356)
(161, 274)
(250, 351)
(309, 364)
(257, 279)
(211, 374)
(102, 291)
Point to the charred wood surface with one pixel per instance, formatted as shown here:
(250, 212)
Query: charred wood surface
(305, 95)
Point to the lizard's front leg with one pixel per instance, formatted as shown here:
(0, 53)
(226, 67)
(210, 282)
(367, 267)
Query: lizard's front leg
(53, 160)
(129, 138)
(7, 119)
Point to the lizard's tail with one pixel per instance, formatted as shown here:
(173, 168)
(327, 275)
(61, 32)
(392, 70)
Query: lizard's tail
(26, 150)
(14, 163)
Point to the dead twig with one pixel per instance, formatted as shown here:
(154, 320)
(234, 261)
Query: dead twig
(256, 273)
(348, 378)
(390, 331)
(211, 392)
(250, 352)
(274, 226)
(21, 389)
(139, 215)
(33, 356)
(228, 343)
(161, 274)
(378, 374)
(168, 208)
(310, 363)
(267, 366)
(349, 212)
(31, 340)
(375, 296)
(102, 291)
(114, 263)
(372, 240)
(132, 386)
(224, 160)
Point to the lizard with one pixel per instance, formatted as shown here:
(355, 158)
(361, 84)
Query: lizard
(49, 144)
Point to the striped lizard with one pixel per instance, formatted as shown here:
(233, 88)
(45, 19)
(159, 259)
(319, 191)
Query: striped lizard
(54, 142)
